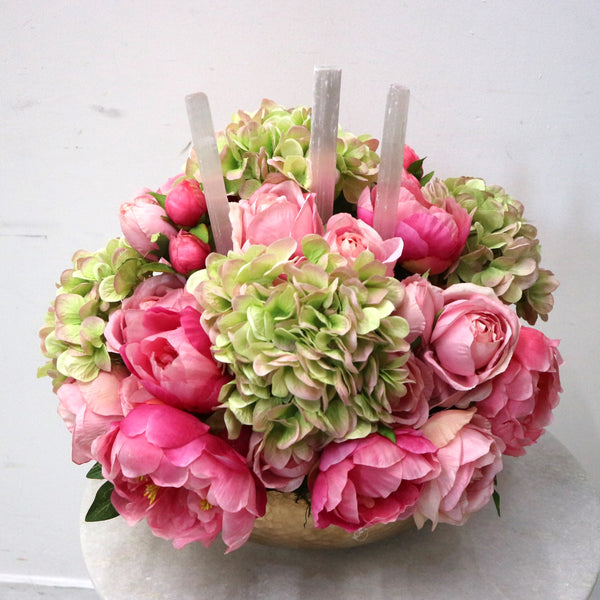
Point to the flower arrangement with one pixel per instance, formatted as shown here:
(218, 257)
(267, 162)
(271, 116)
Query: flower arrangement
(378, 379)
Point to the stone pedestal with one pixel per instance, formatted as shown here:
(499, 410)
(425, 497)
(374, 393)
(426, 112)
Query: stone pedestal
(545, 545)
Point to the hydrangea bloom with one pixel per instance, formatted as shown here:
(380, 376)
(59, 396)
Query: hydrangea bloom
(313, 344)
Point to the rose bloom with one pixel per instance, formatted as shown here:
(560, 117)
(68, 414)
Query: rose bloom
(349, 237)
(413, 408)
(282, 469)
(89, 409)
(474, 337)
(523, 397)
(420, 306)
(434, 235)
(274, 211)
(470, 457)
(188, 484)
(158, 333)
(371, 480)
(140, 219)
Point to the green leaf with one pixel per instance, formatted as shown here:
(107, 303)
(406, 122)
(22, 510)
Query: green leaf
(160, 198)
(496, 497)
(163, 244)
(201, 232)
(387, 433)
(416, 168)
(102, 508)
(95, 472)
(426, 178)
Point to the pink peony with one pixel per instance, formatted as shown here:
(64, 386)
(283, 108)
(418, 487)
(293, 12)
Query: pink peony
(159, 336)
(434, 235)
(185, 203)
(277, 468)
(89, 409)
(371, 480)
(132, 392)
(411, 188)
(470, 457)
(522, 398)
(187, 483)
(420, 306)
(349, 237)
(474, 337)
(142, 218)
(187, 253)
(274, 211)
(168, 185)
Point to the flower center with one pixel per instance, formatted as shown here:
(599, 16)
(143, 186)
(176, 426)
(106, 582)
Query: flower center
(150, 492)
(205, 504)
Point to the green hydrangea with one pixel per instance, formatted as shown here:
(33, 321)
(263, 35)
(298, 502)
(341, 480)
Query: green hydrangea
(502, 250)
(73, 335)
(276, 140)
(314, 346)
(358, 164)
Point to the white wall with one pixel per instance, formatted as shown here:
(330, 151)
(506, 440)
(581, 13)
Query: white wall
(91, 109)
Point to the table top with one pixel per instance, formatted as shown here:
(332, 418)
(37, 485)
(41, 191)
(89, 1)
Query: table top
(545, 545)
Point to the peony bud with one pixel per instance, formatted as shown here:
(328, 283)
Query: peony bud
(410, 156)
(187, 252)
(185, 203)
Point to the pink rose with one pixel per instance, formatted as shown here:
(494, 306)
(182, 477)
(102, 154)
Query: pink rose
(89, 409)
(523, 397)
(349, 237)
(185, 203)
(413, 408)
(140, 219)
(371, 480)
(188, 484)
(434, 235)
(273, 212)
(420, 306)
(187, 253)
(474, 337)
(470, 457)
(282, 469)
(159, 336)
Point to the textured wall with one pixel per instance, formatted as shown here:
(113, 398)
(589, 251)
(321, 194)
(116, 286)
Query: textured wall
(91, 109)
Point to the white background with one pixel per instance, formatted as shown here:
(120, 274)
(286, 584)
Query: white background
(91, 110)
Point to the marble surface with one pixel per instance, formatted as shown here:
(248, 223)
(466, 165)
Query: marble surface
(544, 546)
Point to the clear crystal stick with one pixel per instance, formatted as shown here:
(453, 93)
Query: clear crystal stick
(392, 158)
(209, 163)
(323, 137)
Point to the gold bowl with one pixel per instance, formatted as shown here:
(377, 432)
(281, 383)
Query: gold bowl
(287, 522)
